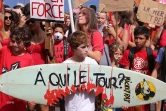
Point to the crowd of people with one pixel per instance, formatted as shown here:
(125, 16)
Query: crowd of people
(116, 39)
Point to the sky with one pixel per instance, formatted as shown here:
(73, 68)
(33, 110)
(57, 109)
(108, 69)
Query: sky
(12, 3)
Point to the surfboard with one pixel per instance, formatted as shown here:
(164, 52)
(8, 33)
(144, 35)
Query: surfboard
(46, 83)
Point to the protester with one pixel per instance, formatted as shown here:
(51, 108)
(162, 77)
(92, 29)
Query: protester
(159, 39)
(86, 21)
(8, 20)
(122, 33)
(60, 42)
(80, 101)
(13, 57)
(37, 48)
(116, 51)
(103, 21)
(140, 60)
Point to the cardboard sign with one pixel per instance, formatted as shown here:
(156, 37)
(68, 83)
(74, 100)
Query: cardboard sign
(77, 3)
(101, 7)
(151, 12)
(47, 9)
(117, 5)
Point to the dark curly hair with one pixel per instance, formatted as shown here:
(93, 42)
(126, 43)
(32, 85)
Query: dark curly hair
(77, 38)
(60, 25)
(22, 34)
(142, 30)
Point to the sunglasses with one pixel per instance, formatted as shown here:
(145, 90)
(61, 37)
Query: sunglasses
(8, 17)
(30, 21)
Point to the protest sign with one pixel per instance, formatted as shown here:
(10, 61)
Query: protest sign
(47, 9)
(117, 5)
(77, 3)
(101, 7)
(151, 12)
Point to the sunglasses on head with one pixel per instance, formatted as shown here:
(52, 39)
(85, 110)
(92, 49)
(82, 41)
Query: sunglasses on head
(30, 21)
(8, 17)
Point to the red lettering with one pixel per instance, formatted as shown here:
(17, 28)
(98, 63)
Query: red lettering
(60, 11)
(56, 1)
(41, 10)
(55, 9)
(47, 9)
(34, 7)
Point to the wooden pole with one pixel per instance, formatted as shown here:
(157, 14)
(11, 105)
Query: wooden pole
(49, 45)
(116, 30)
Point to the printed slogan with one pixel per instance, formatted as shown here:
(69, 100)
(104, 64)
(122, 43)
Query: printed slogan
(47, 9)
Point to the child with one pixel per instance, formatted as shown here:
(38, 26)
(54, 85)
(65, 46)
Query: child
(80, 101)
(13, 57)
(116, 51)
(141, 61)
(60, 43)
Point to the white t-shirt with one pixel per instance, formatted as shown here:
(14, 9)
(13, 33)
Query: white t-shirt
(80, 101)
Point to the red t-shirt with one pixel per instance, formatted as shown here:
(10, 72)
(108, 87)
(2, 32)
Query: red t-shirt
(38, 53)
(59, 52)
(97, 42)
(5, 42)
(10, 62)
(140, 62)
(162, 41)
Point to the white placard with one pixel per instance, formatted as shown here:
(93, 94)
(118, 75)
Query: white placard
(47, 9)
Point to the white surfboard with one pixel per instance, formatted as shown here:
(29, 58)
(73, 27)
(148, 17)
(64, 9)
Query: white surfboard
(46, 83)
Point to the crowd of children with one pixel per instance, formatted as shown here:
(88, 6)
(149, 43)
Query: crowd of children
(95, 41)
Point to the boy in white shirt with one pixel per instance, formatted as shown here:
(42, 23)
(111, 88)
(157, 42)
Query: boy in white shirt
(80, 101)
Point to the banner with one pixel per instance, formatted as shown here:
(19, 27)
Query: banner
(151, 12)
(47, 9)
(117, 5)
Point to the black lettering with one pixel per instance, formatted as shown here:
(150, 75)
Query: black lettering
(159, 21)
(107, 82)
(113, 82)
(127, 89)
(102, 79)
(151, 17)
(127, 97)
(81, 77)
(155, 12)
(122, 76)
(57, 83)
(97, 75)
(39, 80)
(146, 9)
(162, 14)
(156, 19)
(62, 83)
(75, 79)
